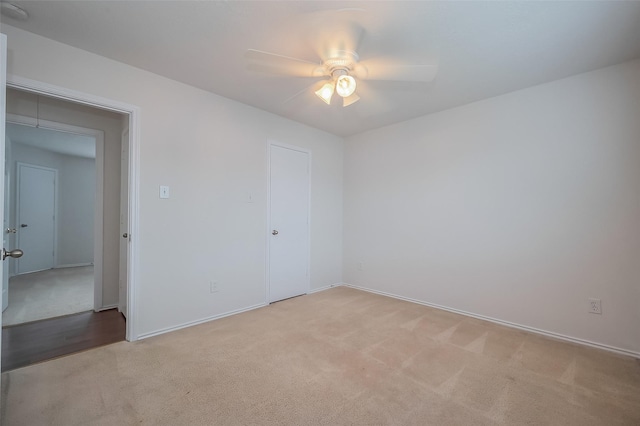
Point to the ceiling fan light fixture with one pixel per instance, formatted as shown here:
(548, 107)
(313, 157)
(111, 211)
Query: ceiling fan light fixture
(326, 92)
(345, 85)
(350, 100)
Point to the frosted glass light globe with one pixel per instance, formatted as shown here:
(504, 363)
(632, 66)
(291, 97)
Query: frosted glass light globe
(345, 86)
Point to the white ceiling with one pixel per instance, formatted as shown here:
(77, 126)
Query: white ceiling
(483, 49)
(53, 140)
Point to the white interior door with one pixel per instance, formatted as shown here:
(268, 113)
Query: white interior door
(124, 221)
(36, 207)
(4, 295)
(3, 87)
(289, 220)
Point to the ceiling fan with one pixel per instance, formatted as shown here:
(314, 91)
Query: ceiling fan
(336, 44)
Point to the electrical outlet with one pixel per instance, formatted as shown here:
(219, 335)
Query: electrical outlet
(213, 285)
(595, 306)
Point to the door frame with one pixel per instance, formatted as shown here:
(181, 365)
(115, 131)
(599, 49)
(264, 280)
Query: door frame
(270, 143)
(19, 165)
(98, 218)
(133, 112)
(122, 293)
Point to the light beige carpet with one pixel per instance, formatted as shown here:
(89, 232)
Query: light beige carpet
(48, 294)
(339, 357)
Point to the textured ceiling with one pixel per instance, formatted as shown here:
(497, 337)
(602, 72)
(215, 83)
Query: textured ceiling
(483, 49)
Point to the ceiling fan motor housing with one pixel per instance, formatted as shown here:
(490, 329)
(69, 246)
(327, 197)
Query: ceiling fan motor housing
(341, 64)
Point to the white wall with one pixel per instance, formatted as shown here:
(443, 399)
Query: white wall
(519, 207)
(211, 151)
(29, 105)
(76, 194)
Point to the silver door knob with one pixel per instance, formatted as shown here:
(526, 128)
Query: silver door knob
(125, 235)
(274, 232)
(11, 230)
(15, 253)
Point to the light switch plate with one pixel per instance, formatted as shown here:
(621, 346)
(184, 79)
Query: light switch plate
(164, 191)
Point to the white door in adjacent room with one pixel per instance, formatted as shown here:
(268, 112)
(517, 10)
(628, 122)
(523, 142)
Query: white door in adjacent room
(289, 192)
(36, 200)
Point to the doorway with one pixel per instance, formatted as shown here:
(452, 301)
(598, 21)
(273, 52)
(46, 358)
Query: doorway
(45, 114)
(57, 224)
(289, 198)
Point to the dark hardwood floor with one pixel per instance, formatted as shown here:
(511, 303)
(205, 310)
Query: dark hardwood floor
(38, 341)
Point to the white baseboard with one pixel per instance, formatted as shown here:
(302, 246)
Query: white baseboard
(200, 321)
(215, 317)
(326, 287)
(73, 265)
(106, 308)
(505, 323)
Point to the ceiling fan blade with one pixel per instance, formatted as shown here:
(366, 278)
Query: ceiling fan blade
(280, 64)
(330, 32)
(338, 37)
(372, 103)
(276, 70)
(387, 69)
(309, 88)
